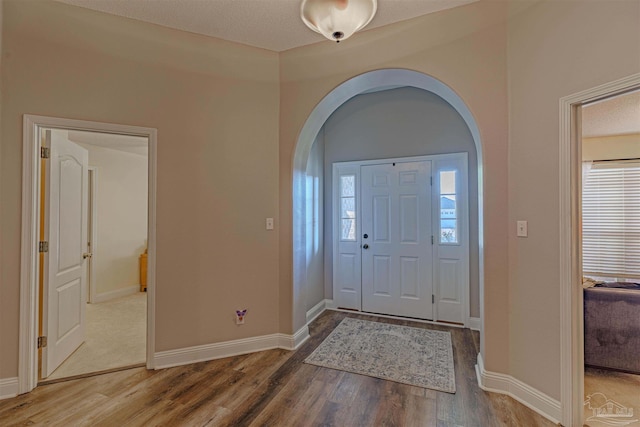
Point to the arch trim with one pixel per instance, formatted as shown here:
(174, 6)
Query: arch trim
(372, 80)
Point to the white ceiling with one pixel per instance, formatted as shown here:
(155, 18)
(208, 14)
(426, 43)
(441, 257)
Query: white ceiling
(268, 24)
(612, 116)
(130, 144)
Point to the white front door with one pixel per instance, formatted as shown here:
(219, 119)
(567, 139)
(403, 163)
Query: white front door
(64, 269)
(396, 239)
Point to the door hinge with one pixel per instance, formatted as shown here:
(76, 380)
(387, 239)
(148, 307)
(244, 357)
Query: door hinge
(431, 180)
(43, 247)
(42, 342)
(432, 240)
(44, 152)
(433, 299)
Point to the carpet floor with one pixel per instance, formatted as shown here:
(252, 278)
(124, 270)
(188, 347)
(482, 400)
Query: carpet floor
(115, 337)
(620, 387)
(414, 356)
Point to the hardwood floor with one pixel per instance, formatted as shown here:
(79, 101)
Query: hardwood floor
(270, 388)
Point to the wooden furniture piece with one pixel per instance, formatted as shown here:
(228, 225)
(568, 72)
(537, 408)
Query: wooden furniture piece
(143, 272)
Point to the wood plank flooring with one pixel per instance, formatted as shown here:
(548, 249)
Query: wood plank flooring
(270, 388)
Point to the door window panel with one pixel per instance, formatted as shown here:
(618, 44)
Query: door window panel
(448, 208)
(348, 207)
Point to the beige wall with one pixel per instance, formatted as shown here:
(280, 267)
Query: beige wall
(611, 147)
(121, 217)
(466, 49)
(228, 118)
(556, 48)
(215, 105)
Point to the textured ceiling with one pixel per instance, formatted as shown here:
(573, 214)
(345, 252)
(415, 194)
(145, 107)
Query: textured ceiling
(268, 24)
(613, 116)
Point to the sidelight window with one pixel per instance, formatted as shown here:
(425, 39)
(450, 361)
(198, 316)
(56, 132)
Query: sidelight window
(348, 207)
(448, 207)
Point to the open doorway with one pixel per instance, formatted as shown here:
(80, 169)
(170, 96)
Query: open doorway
(93, 216)
(366, 83)
(570, 239)
(415, 138)
(610, 206)
(72, 172)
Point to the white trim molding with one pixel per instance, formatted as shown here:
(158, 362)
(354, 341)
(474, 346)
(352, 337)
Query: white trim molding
(474, 324)
(93, 231)
(330, 304)
(571, 308)
(523, 393)
(8, 387)
(293, 342)
(316, 310)
(207, 352)
(118, 293)
(27, 351)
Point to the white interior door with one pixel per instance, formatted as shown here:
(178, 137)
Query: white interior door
(396, 239)
(65, 270)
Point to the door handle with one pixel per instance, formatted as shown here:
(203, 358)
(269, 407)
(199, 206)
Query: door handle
(87, 255)
(365, 246)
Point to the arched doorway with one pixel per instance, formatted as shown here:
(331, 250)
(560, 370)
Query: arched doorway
(373, 80)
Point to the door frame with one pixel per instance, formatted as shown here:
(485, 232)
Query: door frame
(571, 298)
(464, 223)
(29, 269)
(93, 217)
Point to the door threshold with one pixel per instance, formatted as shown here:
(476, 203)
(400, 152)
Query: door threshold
(450, 323)
(91, 374)
(390, 316)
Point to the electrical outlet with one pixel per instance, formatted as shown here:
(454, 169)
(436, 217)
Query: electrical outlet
(240, 314)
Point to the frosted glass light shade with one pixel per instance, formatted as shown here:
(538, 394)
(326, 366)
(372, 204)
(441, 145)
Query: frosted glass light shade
(337, 19)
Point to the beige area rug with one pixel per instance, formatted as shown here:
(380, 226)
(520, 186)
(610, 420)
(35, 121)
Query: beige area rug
(403, 354)
(115, 337)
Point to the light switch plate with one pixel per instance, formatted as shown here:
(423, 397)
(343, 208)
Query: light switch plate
(269, 223)
(522, 229)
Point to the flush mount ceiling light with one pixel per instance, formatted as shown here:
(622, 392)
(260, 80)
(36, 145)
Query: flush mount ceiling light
(337, 19)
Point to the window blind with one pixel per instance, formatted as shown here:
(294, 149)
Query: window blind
(611, 220)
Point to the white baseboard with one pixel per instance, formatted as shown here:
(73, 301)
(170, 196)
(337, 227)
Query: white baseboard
(203, 353)
(293, 342)
(317, 310)
(523, 393)
(118, 293)
(8, 387)
(475, 324)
